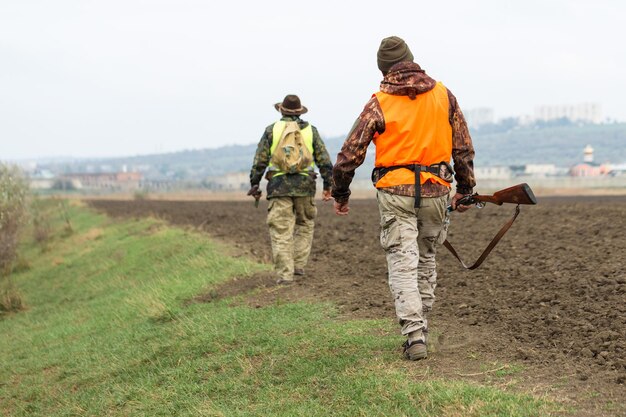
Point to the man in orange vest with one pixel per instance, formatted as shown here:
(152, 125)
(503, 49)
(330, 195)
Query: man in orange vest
(418, 128)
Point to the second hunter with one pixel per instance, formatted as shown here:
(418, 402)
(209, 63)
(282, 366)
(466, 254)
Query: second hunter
(289, 149)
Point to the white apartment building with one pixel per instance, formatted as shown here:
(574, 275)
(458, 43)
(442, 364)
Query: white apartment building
(540, 170)
(584, 112)
(493, 172)
(478, 117)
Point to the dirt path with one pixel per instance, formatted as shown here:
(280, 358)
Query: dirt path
(551, 296)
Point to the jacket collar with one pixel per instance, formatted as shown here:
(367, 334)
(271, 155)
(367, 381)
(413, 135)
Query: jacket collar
(407, 79)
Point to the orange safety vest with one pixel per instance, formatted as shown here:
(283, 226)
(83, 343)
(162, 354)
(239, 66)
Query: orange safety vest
(416, 132)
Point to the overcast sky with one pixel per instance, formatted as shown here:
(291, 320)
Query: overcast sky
(126, 77)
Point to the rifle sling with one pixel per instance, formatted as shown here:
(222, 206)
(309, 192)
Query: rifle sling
(488, 249)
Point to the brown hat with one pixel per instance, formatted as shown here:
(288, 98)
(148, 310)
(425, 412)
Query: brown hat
(391, 51)
(291, 106)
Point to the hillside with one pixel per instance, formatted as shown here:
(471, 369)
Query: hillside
(561, 145)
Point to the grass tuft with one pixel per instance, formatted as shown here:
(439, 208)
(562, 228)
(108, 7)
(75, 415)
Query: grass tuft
(10, 297)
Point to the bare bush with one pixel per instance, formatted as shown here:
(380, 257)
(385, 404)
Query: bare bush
(42, 228)
(65, 212)
(13, 210)
(42, 231)
(141, 195)
(10, 299)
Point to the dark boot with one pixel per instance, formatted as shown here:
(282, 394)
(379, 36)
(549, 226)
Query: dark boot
(415, 350)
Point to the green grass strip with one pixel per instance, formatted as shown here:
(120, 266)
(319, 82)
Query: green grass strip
(107, 333)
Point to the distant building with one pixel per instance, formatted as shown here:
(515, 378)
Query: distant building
(588, 154)
(502, 172)
(478, 117)
(493, 173)
(41, 179)
(540, 170)
(234, 181)
(115, 181)
(585, 112)
(589, 168)
(618, 170)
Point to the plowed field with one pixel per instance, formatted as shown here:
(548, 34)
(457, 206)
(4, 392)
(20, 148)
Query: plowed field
(550, 297)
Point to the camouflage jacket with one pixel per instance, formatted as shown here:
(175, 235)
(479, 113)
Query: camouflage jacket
(406, 79)
(291, 185)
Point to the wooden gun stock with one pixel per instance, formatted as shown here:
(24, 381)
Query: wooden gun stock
(517, 194)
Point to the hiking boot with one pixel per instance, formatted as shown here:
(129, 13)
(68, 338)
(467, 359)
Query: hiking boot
(415, 350)
(298, 271)
(281, 281)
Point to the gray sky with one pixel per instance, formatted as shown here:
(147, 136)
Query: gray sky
(126, 77)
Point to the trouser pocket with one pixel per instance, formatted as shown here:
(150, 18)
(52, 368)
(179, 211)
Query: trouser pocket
(305, 210)
(389, 232)
(443, 234)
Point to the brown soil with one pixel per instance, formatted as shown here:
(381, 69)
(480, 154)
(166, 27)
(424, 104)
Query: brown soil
(551, 296)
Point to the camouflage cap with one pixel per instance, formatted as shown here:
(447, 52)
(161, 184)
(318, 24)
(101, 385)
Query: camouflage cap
(391, 51)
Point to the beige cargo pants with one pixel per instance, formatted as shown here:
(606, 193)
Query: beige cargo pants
(291, 221)
(410, 237)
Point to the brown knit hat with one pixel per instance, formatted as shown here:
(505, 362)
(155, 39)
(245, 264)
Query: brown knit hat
(291, 106)
(391, 51)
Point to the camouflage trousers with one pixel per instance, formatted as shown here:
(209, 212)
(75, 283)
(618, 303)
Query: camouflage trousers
(410, 237)
(291, 221)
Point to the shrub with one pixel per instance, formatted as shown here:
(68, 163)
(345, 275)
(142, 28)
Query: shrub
(10, 299)
(65, 213)
(140, 195)
(42, 228)
(13, 209)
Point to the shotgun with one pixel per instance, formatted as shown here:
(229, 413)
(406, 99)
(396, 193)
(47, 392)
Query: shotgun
(517, 194)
